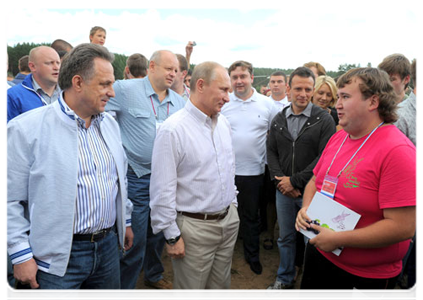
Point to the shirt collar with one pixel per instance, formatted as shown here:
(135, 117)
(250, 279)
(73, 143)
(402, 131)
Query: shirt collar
(200, 116)
(96, 119)
(306, 112)
(252, 98)
(149, 91)
(37, 87)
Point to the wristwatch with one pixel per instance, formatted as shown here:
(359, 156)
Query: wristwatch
(172, 241)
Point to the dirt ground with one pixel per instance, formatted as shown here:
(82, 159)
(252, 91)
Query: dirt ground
(245, 285)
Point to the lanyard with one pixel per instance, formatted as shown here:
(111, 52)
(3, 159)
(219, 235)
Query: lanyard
(154, 110)
(340, 172)
(186, 90)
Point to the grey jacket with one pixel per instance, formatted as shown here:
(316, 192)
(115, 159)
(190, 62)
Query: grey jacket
(42, 167)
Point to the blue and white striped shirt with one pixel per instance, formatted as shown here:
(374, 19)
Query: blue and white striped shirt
(97, 186)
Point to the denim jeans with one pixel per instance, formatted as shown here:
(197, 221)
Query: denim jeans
(287, 209)
(249, 188)
(91, 266)
(147, 247)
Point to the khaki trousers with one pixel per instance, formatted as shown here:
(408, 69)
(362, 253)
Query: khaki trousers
(209, 246)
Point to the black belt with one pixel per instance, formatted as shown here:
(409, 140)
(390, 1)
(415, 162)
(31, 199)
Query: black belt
(200, 216)
(92, 237)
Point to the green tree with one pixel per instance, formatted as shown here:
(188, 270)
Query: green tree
(16, 52)
(119, 65)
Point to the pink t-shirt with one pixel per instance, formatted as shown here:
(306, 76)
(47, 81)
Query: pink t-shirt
(381, 175)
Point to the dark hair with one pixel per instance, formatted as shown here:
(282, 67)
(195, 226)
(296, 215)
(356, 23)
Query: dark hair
(23, 64)
(183, 64)
(396, 64)
(61, 45)
(243, 64)
(302, 72)
(413, 72)
(80, 61)
(278, 73)
(137, 65)
(374, 82)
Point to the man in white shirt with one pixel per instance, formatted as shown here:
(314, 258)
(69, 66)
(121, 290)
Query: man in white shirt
(250, 115)
(192, 190)
(277, 85)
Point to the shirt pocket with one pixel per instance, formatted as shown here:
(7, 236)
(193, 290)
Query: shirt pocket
(139, 113)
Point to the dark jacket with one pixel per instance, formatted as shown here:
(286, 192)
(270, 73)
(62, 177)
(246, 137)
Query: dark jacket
(297, 159)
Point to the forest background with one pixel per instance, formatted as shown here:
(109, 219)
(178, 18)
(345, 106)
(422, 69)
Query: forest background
(261, 75)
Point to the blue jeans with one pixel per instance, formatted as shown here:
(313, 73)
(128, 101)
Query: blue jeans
(147, 247)
(287, 209)
(91, 266)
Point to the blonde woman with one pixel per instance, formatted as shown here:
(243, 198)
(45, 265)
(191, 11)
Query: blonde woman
(325, 95)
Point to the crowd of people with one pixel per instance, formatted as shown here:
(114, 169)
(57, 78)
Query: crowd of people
(103, 175)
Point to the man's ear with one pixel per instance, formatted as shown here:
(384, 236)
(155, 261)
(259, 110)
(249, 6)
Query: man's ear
(199, 85)
(31, 66)
(127, 72)
(407, 79)
(374, 102)
(152, 65)
(77, 82)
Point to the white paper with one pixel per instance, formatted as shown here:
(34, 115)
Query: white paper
(330, 214)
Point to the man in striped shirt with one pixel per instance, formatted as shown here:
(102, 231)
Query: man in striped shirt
(67, 168)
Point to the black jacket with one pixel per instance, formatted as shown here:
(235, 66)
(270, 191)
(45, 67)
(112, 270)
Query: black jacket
(297, 159)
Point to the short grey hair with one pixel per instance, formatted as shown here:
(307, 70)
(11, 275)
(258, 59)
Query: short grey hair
(80, 61)
(205, 71)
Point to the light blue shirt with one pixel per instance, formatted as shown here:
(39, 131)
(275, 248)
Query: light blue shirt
(43, 95)
(138, 109)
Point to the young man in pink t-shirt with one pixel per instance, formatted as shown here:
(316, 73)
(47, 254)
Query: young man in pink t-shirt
(375, 169)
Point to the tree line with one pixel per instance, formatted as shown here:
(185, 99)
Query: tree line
(261, 74)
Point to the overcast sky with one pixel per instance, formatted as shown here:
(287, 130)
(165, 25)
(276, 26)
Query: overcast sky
(278, 34)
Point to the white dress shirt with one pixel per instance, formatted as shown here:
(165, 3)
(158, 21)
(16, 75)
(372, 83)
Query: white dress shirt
(192, 169)
(280, 104)
(250, 121)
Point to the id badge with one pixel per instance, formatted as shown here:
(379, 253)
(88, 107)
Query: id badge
(158, 125)
(329, 186)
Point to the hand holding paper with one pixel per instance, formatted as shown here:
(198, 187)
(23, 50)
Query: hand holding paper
(325, 239)
(332, 216)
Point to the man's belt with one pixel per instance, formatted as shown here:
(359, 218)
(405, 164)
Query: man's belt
(92, 237)
(200, 216)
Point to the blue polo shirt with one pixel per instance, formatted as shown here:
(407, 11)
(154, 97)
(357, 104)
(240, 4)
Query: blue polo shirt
(138, 109)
